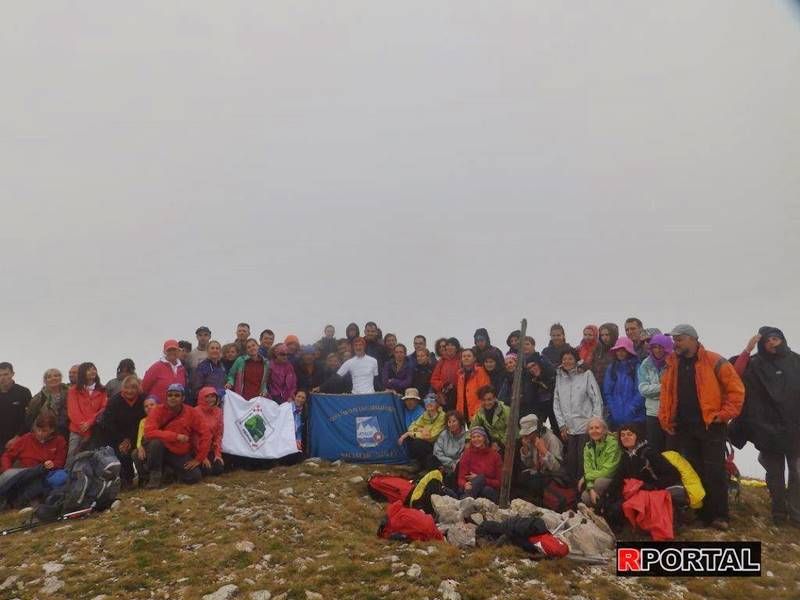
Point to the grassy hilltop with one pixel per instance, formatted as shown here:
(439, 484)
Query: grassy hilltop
(317, 540)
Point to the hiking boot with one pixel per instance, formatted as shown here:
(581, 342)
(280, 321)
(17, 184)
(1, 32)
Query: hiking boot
(720, 525)
(154, 482)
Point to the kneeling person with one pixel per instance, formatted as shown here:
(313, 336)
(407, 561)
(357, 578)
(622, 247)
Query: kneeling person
(168, 433)
(209, 411)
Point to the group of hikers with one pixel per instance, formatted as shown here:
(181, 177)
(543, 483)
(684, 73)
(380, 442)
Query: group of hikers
(593, 417)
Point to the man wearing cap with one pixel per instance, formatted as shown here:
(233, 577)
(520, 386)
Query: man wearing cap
(700, 394)
(164, 372)
(200, 353)
(362, 369)
(168, 433)
(540, 453)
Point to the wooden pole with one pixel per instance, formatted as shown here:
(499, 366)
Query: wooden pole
(513, 423)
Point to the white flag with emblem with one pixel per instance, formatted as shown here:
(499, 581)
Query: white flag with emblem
(257, 428)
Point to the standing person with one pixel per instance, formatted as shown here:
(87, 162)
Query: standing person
(282, 378)
(72, 374)
(210, 413)
(14, 401)
(741, 361)
(242, 335)
(576, 400)
(327, 343)
(700, 393)
(126, 367)
(309, 373)
(480, 468)
(512, 341)
(771, 420)
(647, 335)
(52, 397)
(185, 348)
(200, 353)
(229, 356)
(292, 343)
(650, 372)
(470, 379)
(361, 368)
(495, 371)
(85, 401)
(266, 340)
(165, 372)
(209, 372)
(621, 386)
(168, 433)
(558, 341)
(445, 375)
(449, 446)
(389, 342)
(538, 385)
(118, 425)
(588, 345)
(421, 343)
(351, 332)
(601, 456)
(440, 348)
(510, 367)
(492, 416)
(422, 434)
(249, 375)
(397, 373)
(603, 356)
(332, 383)
(483, 347)
(422, 370)
(634, 330)
(375, 347)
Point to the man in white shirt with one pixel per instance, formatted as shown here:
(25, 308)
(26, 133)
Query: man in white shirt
(363, 369)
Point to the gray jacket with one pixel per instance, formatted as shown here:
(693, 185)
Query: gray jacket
(577, 398)
(549, 462)
(449, 448)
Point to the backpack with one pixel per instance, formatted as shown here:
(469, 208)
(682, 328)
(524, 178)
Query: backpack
(404, 524)
(560, 495)
(93, 481)
(420, 495)
(389, 487)
(548, 545)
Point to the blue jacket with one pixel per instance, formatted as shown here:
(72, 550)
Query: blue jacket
(621, 392)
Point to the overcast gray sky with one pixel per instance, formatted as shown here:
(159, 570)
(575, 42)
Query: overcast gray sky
(434, 167)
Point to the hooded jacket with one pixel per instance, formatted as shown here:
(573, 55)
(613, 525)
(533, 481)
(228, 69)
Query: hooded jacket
(537, 392)
(576, 399)
(586, 350)
(771, 413)
(209, 374)
(621, 392)
(602, 355)
(160, 376)
(600, 459)
(480, 355)
(165, 425)
(235, 376)
(649, 377)
(553, 354)
(449, 448)
(84, 406)
(212, 417)
(282, 382)
(720, 391)
(516, 333)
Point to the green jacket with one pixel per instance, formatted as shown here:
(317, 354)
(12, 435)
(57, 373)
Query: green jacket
(497, 428)
(433, 426)
(600, 459)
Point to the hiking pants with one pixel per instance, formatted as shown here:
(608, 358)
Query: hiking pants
(785, 502)
(480, 489)
(705, 451)
(574, 459)
(158, 457)
(422, 451)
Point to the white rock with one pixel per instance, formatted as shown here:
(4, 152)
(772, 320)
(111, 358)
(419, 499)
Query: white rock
(286, 491)
(116, 504)
(9, 582)
(476, 518)
(414, 571)
(51, 585)
(260, 595)
(52, 567)
(25, 511)
(462, 535)
(214, 486)
(313, 595)
(100, 597)
(336, 463)
(770, 574)
(448, 590)
(446, 508)
(266, 558)
(356, 479)
(245, 546)
(182, 497)
(224, 593)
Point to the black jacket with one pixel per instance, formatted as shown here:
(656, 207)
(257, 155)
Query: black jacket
(13, 405)
(647, 465)
(119, 421)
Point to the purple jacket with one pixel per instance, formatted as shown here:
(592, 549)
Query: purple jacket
(397, 379)
(207, 374)
(282, 381)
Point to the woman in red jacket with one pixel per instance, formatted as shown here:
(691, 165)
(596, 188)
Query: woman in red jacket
(208, 407)
(85, 401)
(480, 468)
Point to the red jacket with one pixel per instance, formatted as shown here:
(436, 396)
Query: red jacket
(212, 417)
(30, 452)
(163, 424)
(481, 461)
(445, 371)
(159, 377)
(84, 407)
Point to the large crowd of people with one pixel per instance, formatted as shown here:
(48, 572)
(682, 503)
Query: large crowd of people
(591, 416)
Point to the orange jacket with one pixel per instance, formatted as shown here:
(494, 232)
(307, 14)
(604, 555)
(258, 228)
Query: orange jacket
(468, 392)
(445, 371)
(84, 407)
(720, 391)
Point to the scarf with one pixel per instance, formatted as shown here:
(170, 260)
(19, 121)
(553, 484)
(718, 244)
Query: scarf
(586, 349)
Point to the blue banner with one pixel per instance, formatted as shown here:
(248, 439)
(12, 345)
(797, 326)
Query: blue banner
(357, 427)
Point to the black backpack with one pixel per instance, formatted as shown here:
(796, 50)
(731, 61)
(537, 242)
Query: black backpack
(93, 482)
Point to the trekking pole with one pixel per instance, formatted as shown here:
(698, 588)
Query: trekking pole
(31, 524)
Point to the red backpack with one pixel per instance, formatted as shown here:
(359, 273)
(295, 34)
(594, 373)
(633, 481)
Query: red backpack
(402, 523)
(389, 487)
(549, 545)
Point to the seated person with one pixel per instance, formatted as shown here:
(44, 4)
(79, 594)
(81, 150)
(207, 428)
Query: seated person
(639, 460)
(492, 416)
(540, 453)
(140, 454)
(42, 446)
(480, 468)
(422, 434)
(601, 456)
(298, 410)
(168, 433)
(208, 409)
(449, 446)
(413, 409)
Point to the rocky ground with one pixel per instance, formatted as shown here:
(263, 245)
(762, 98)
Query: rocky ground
(308, 532)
